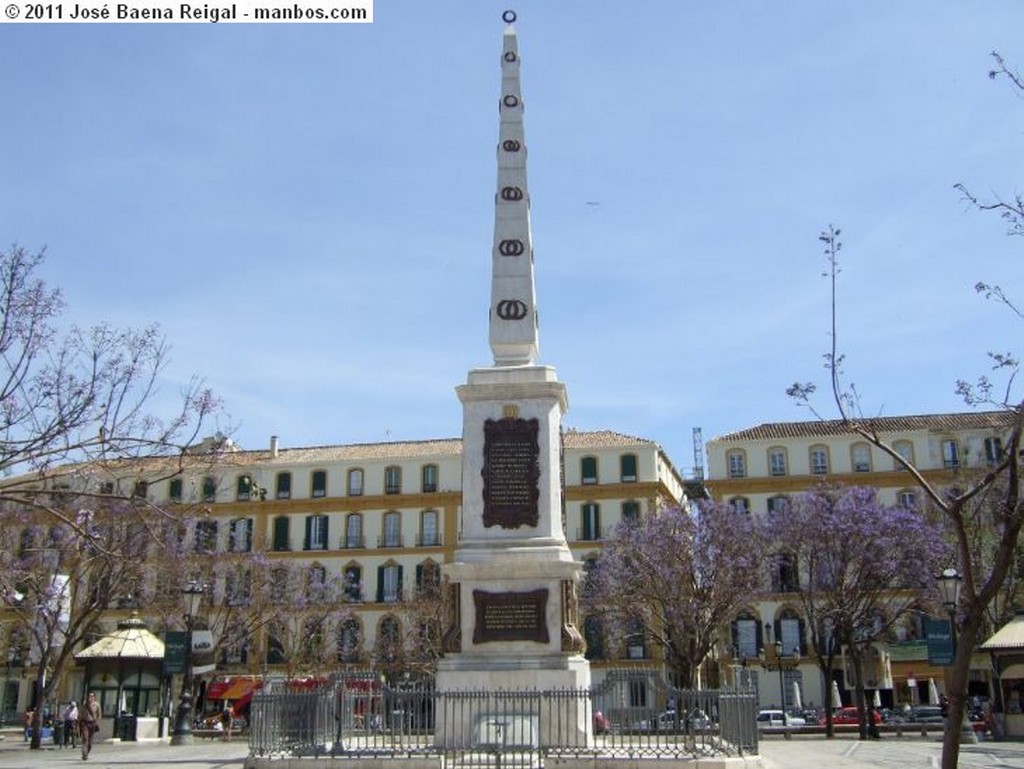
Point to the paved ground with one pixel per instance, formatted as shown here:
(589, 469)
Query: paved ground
(801, 752)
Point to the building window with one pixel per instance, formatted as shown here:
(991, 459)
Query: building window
(588, 470)
(174, 490)
(819, 460)
(354, 583)
(316, 583)
(429, 534)
(284, 486)
(389, 583)
(627, 468)
(142, 489)
(209, 490)
(206, 536)
(319, 483)
(281, 534)
(636, 645)
(355, 483)
(791, 633)
(243, 488)
(950, 454)
(908, 499)
(237, 587)
(906, 450)
(316, 532)
(860, 454)
(428, 576)
(784, 574)
(631, 511)
(349, 645)
(240, 535)
(353, 531)
(392, 479)
(389, 640)
(590, 521)
(778, 504)
(993, 450)
(737, 462)
(429, 479)
(391, 535)
(740, 505)
(777, 461)
(746, 637)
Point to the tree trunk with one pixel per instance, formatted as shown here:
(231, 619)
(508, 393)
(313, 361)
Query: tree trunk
(858, 689)
(37, 716)
(959, 674)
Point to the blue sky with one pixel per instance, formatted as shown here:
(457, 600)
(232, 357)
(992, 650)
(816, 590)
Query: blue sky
(307, 210)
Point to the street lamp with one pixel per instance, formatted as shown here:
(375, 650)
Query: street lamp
(781, 664)
(949, 585)
(192, 597)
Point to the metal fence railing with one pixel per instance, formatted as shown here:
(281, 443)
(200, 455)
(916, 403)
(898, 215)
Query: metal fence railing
(364, 717)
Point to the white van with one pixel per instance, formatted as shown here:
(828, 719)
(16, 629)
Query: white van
(772, 718)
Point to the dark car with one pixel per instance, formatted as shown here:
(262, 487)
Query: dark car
(925, 714)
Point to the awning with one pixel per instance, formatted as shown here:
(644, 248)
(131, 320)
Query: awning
(232, 688)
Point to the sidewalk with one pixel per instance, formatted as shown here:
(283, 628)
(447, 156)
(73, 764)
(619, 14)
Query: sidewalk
(113, 754)
(801, 752)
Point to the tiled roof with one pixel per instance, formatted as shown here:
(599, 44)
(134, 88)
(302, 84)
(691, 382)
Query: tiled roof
(131, 641)
(451, 447)
(972, 420)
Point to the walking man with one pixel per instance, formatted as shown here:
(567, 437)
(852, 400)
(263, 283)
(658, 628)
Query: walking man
(88, 723)
(70, 718)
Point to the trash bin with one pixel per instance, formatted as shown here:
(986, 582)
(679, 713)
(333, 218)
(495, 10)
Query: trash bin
(127, 726)
(58, 733)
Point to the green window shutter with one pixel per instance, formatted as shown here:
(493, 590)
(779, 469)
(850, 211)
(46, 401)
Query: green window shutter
(309, 527)
(380, 584)
(400, 570)
(419, 575)
(281, 533)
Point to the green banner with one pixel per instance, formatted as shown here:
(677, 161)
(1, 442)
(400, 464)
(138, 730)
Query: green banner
(939, 634)
(174, 651)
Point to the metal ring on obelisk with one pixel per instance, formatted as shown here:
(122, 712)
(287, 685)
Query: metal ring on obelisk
(508, 17)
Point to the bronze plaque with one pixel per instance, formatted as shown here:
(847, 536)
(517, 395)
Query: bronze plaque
(511, 473)
(510, 616)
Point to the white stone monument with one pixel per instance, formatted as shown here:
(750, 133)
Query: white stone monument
(514, 614)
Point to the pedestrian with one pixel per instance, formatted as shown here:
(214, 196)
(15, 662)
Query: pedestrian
(88, 723)
(30, 716)
(228, 720)
(70, 717)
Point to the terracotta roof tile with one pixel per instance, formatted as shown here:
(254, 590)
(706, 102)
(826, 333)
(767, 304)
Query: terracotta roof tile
(973, 420)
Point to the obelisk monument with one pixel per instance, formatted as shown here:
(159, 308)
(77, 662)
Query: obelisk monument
(513, 613)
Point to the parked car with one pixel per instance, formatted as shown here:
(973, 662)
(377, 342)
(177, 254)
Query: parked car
(601, 723)
(925, 714)
(772, 718)
(848, 715)
(668, 722)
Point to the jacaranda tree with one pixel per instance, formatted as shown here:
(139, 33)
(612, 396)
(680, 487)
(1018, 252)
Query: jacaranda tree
(678, 576)
(861, 566)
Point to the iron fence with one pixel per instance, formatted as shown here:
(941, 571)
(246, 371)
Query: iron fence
(365, 717)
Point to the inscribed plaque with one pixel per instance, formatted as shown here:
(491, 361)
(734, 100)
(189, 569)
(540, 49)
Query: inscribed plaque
(511, 473)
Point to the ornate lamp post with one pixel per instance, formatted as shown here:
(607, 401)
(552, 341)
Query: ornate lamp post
(949, 586)
(781, 664)
(192, 597)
